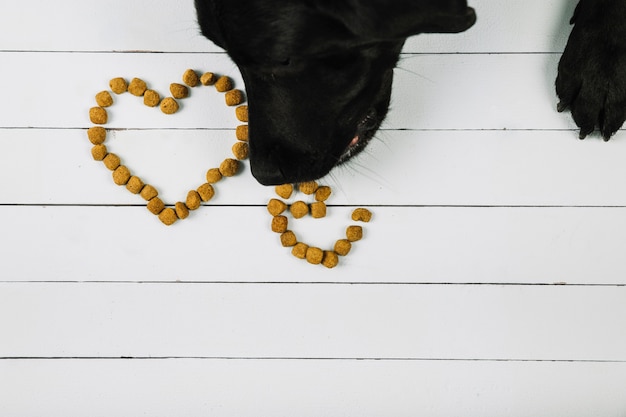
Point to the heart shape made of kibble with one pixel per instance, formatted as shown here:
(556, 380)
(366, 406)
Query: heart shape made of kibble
(123, 176)
(279, 209)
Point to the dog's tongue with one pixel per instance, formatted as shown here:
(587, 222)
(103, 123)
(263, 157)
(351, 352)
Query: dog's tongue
(354, 141)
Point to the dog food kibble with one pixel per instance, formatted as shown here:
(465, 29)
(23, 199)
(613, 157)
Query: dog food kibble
(242, 133)
(288, 239)
(191, 78)
(229, 167)
(155, 205)
(354, 233)
(181, 210)
(99, 152)
(208, 78)
(193, 201)
(322, 193)
(118, 85)
(299, 209)
(318, 210)
(169, 105)
(111, 161)
(299, 250)
(234, 97)
(241, 150)
(242, 113)
(223, 84)
(121, 175)
(279, 224)
(342, 247)
(151, 98)
(148, 192)
(330, 259)
(361, 215)
(284, 190)
(134, 185)
(97, 135)
(98, 115)
(168, 216)
(314, 256)
(206, 192)
(179, 90)
(104, 99)
(308, 188)
(276, 207)
(137, 87)
(213, 175)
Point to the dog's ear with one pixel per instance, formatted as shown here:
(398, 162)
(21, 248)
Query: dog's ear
(375, 20)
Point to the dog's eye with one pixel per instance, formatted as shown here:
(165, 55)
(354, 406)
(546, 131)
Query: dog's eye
(286, 62)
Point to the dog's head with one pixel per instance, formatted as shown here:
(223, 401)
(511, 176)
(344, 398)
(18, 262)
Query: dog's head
(318, 73)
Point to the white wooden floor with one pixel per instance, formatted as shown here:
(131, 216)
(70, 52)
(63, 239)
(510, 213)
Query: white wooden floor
(491, 281)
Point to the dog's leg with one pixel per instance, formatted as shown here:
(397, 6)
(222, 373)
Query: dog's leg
(592, 71)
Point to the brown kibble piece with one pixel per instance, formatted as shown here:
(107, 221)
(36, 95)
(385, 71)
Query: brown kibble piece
(151, 98)
(354, 233)
(241, 150)
(168, 216)
(118, 85)
(322, 193)
(97, 135)
(137, 87)
(191, 78)
(155, 205)
(284, 190)
(242, 133)
(330, 259)
(111, 161)
(229, 167)
(318, 210)
(361, 215)
(148, 192)
(179, 90)
(276, 207)
(242, 113)
(98, 115)
(288, 239)
(308, 188)
(104, 99)
(279, 224)
(342, 247)
(99, 152)
(181, 210)
(206, 192)
(169, 105)
(135, 185)
(193, 201)
(213, 175)
(121, 175)
(299, 209)
(299, 250)
(208, 78)
(223, 84)
(234, 97)
(314, 256)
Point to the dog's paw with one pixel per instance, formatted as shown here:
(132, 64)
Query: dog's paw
(592, 72)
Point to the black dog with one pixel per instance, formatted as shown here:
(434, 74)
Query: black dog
(318, 73)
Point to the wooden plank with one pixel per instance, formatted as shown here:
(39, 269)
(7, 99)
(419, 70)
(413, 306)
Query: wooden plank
(310, 388)
(535, 168)
(433, 95)
(467, 322)
(401, 244)
(171, 26)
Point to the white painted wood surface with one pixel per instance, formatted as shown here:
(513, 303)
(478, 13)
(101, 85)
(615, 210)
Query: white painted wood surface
(489, 283)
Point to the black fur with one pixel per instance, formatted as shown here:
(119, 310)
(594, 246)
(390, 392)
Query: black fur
(318, 73)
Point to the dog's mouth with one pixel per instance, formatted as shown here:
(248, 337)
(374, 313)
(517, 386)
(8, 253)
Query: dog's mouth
(365, 131)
